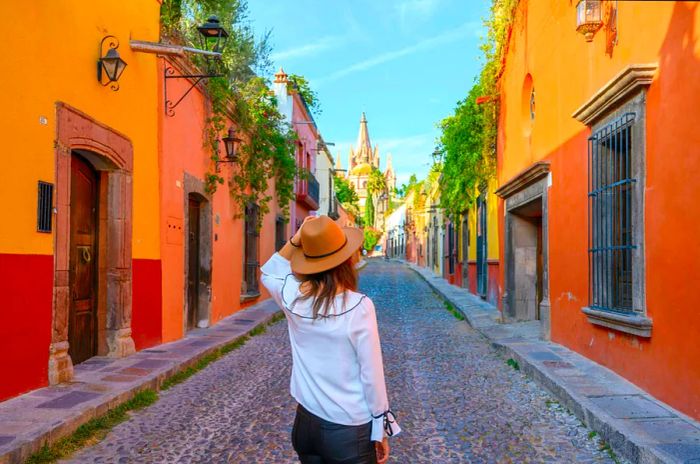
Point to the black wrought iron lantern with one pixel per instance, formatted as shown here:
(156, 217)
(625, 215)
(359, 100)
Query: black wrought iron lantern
(213, 36)
(110, 66)
(589, 18)
(230, 143)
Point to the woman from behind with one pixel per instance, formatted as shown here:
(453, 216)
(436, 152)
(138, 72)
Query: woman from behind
(343, 414)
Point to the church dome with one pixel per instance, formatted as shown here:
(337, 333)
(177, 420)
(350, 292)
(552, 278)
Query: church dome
(361, 169)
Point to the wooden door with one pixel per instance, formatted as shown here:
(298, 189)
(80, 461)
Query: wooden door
(481, 247)
(193, 246)
(82, 324)
(465, 251)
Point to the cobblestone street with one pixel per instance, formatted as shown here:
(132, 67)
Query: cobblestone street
(456, 400)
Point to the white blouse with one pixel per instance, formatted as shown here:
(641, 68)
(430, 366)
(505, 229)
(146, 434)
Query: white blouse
(337, 370)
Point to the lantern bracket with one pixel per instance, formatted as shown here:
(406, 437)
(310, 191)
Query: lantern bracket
(169, 73)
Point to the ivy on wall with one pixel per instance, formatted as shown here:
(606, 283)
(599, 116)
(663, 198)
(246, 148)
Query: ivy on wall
(467, 144)
(267, 152)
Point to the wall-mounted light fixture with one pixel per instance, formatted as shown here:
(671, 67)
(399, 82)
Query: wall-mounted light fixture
(110, 66)
(589, 18)
(213, 39)
(231, 143)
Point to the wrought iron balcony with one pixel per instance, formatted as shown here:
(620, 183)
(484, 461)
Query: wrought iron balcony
(308, 190)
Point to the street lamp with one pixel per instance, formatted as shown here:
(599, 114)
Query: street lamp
(110, 64)
(588, 18)
(230, 143)
(213, 39)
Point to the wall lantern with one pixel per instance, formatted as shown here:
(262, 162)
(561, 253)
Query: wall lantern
(230, 143)
(213, 38)
(589, 18)
(110, 65)
(211, 34)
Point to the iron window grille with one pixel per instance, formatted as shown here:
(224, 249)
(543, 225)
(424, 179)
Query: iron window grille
(610, 216)
(251, 248)
(44, 210)
(280, 233)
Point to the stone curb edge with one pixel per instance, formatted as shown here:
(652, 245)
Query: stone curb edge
(54, 432)
(621, 442)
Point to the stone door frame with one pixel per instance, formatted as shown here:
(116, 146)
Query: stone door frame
(529, 185)
(111, 154)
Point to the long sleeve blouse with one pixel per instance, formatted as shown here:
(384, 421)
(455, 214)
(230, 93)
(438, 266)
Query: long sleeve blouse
(337, 370)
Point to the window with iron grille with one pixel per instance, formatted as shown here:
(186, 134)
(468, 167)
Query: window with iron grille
(44, 210)
(280, 236)
(611, 211)
(251, 249)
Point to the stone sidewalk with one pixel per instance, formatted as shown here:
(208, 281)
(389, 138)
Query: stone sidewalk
(45, 415)
(634, 423)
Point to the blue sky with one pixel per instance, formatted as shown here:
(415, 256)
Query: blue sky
(404, 62)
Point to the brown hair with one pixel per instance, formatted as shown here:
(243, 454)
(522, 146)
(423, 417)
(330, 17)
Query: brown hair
(325, 285)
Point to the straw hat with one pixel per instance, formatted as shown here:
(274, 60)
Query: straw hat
(324, 245)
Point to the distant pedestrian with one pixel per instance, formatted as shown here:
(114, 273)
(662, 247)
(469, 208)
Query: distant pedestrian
(343, 414)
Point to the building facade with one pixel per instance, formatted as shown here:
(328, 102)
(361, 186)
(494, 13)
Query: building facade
(309, 142)
(79, 247)
(597, 166)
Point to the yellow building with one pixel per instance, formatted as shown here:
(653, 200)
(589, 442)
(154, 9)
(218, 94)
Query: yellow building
(79, 238)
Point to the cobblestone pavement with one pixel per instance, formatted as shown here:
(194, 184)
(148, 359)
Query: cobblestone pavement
(455, 398)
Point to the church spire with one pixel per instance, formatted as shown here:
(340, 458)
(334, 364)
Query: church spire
(363, 142)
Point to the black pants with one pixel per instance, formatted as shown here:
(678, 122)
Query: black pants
(318, 441)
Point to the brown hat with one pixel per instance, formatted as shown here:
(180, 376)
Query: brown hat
(324, 245)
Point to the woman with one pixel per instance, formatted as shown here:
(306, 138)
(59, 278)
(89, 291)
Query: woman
(343, 413)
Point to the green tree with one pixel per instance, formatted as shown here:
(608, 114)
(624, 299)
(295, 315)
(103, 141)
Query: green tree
(369, 210)
(371, 239)
(461, 146)
(267, 153)
(310, 96)
(376, 182)
(344, 191)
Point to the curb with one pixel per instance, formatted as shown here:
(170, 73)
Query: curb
(627, 436)
(50, 425)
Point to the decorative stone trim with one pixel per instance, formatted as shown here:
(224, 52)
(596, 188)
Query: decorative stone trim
(633, 324)
(627, 82)
(523, 179)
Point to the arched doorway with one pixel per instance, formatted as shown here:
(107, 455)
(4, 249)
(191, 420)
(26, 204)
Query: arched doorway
(92, 243)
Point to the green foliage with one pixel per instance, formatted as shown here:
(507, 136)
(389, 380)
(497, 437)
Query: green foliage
(376, 182)
(372, 237)
(310, 96)
(92, 431)
(369, 210)
(461, 145)
(345, 191)
(467, 145)
(513, 363)
(458, 315)
(267, 151)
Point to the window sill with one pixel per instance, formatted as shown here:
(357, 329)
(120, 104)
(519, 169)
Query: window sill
(636, 325)
(249, 296)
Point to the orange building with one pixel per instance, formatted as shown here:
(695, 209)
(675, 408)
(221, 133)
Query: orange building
(109, 241)
(211, 251)
(597, 168)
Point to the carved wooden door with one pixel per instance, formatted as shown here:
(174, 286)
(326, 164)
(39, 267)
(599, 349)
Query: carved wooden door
(82, 324)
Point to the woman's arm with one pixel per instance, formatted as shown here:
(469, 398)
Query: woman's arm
(364, 336)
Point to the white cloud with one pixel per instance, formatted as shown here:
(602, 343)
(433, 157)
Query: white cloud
(451, 35)
(309, 49)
